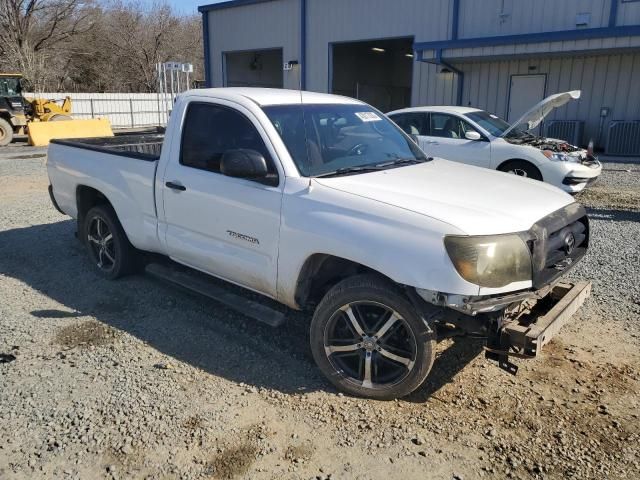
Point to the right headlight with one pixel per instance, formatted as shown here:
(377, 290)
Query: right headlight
(490, 261)
(560, 157)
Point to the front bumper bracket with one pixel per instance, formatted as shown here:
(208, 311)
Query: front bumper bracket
(524, 335)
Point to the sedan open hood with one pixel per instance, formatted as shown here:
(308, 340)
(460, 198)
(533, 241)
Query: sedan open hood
(534, 116)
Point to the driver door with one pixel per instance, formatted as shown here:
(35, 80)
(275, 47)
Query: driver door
(224, 226)
(447, 140)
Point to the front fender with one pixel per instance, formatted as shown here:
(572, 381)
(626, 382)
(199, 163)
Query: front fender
(405, 246)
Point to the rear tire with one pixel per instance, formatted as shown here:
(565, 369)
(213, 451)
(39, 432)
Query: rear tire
(369, 341)
(521, 168)
(6, 132)
(109, 249)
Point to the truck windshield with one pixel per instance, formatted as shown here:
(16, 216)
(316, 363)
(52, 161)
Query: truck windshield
(492, 123)
(9, 87)
(338, 138)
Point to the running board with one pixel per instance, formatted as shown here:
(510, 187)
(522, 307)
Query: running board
(202, 284)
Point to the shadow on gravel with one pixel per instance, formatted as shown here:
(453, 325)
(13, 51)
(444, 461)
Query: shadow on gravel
(614, 215)
(54, 314)
(187, 327)
(447, 365)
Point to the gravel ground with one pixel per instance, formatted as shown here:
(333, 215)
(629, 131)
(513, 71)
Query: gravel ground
(133, 379)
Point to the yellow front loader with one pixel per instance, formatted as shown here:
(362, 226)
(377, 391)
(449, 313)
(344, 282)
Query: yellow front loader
(43, 120)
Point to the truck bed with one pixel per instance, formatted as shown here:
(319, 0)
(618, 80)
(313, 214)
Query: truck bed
(142, 146)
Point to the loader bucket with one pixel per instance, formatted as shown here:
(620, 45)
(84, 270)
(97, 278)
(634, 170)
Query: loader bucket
(40, 133)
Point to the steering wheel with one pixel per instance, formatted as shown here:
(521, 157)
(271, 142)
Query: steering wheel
(359, 149)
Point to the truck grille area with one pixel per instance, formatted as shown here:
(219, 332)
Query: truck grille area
(558, 242)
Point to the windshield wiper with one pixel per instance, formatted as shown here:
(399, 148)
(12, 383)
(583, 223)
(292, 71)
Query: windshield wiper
(347, 170)
(401, 161)
(373, 168)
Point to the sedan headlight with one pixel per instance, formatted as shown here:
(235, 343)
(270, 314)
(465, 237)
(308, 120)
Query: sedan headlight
(560, 157)
(490, 261)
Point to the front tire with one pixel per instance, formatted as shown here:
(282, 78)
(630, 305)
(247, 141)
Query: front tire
(369, 341)
(109, 249)
(6, 133)
(521, 168)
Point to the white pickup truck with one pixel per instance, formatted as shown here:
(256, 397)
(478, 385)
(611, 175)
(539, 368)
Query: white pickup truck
(319, 201)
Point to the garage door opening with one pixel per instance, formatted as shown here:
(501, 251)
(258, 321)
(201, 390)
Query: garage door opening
(378, 72)
(256, 68)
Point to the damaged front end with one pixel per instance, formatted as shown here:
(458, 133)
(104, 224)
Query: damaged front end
(555, 149)
(519, 323)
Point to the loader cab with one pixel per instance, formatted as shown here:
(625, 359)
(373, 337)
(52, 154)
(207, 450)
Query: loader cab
(11, 92)
(12, 107)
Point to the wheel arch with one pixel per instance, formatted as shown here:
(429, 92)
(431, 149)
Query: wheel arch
(502, 165)
(87, 198)
(322, 271)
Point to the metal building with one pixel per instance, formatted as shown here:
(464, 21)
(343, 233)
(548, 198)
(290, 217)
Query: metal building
(499, 55)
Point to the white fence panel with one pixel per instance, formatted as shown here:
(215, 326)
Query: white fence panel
(124, 110)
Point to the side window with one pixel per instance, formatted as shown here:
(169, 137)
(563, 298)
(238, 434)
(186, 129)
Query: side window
(210, 130)
(412, 123)
(448, 126)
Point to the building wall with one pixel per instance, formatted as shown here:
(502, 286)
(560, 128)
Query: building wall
(259, 26)
(605, 81)
(628, 13)
(513, 17)
(601, 67)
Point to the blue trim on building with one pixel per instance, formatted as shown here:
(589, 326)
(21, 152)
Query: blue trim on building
(207, 49)
(559, 36)
(455, 20)
(229, 4)
(613, 13)
(303, 44)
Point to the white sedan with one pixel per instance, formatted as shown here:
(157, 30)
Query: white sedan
(476, 137)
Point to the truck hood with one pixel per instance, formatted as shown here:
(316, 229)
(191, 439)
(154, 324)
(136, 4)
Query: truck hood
(477, 201)
(535, 115)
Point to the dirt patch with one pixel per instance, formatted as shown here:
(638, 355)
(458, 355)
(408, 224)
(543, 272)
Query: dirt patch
(194, 422)
(233, 461)
(22, 186)
(85, 334)
(600, 196)
(299, 453)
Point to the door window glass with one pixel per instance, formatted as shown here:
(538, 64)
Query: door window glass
(412, 123)
(210, 130)
(448, 126)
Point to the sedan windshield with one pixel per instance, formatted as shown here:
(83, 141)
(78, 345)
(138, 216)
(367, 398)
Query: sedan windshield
(492, 123)
(337, 139)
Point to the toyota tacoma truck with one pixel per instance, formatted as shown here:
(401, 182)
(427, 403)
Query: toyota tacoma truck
(476, 137)
(319, 202)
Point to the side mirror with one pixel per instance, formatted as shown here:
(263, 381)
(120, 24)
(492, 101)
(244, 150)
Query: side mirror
(415, 139)
(243, 163)
(472, 135)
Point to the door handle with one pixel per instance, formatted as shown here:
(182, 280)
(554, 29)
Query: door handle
(176, 186)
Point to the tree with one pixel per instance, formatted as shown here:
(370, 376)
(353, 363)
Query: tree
(94, 46)
(34, 33)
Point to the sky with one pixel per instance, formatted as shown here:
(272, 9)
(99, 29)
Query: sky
(187, 7)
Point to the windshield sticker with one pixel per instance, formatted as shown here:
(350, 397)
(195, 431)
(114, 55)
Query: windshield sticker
(368, 116)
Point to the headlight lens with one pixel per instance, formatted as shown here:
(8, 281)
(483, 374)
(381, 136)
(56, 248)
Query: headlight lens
(490, 261)
(560, 157)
